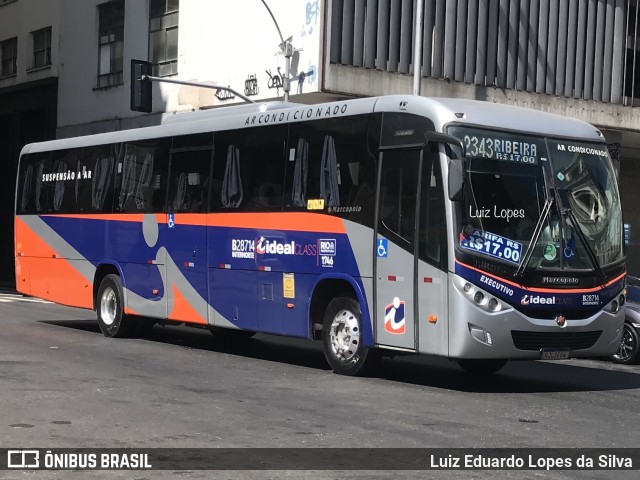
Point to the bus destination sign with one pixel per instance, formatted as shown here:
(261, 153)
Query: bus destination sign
(498, 146)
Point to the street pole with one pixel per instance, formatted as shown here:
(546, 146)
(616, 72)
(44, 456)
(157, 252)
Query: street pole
(417, 48)
(287, 50)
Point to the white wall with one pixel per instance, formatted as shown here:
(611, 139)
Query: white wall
(225, 41)
(220, 41)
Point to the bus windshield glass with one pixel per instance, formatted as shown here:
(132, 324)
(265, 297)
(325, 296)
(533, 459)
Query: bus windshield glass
(559, 195)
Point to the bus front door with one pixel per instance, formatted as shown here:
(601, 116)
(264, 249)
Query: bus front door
(396, 248)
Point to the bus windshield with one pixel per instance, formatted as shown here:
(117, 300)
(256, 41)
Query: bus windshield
(552, 201)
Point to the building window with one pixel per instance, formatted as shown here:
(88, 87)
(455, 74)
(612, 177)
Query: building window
(163, 36)
(41, 48)
(110, 43)
(8, 57)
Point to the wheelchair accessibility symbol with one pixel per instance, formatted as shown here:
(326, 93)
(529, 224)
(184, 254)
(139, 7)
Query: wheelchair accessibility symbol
(171, 222)
(383, 251)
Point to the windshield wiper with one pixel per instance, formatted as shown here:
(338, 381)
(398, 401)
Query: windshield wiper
(585, 241)
(546, 208)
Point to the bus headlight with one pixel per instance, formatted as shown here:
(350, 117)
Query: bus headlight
(614, 306)
(494, 304)
(479, 297)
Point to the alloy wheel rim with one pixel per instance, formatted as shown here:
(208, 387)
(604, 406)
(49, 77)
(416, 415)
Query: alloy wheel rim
(108, 306)
(344, 335)
(627, 346)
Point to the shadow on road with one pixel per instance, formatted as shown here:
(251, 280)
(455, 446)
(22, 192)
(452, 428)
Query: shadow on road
(427, 371)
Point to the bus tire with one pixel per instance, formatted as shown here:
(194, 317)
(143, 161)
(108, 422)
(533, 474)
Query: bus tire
(110, 308)
(342, 339)
(629, 349)
(485, 366)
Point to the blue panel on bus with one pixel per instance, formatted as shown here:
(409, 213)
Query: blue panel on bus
(235, 270)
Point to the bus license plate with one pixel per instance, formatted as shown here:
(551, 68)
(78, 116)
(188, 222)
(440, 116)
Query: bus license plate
(555, 354)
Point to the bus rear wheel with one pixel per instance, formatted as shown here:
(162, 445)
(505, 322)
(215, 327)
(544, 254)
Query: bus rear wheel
(342, 338)
(482, 367)
(110, 308)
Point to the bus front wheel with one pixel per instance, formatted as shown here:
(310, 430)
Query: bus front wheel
(342, 338)
(629, 349)
(110, 308)
(482, 366)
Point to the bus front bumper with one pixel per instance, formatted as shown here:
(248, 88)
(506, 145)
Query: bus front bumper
(509, 334)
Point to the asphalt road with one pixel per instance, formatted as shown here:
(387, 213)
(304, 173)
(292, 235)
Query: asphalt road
(63, 384)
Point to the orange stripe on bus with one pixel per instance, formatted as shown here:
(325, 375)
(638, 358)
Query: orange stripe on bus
(182, 310)
(291, 221)
(111, 217)
(49, 276)
(294, 221)
(545, 290)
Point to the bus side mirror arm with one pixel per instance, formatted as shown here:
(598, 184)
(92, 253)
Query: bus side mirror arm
(456, 164)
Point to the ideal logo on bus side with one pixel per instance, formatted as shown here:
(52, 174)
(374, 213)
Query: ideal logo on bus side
(325, 249)
(277, 247)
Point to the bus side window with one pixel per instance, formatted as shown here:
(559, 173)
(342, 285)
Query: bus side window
(432, 238)
(32, 193)
(334, 161)
(95, 179)
(62, 196)
(190, 171)
(398, 190)
(141, 174)
(227, 190)
(248, 170)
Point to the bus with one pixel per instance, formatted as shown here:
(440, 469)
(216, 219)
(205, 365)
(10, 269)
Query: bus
(391, 225)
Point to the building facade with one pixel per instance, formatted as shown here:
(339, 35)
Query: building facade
(573, 57)
(29, 69)
(231, 44)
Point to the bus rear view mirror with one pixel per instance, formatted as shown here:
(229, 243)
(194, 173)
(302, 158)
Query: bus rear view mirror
(456, 152)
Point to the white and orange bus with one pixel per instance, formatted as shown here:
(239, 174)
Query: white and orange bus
(401, 224)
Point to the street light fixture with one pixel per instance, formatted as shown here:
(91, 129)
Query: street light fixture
(287, 50)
